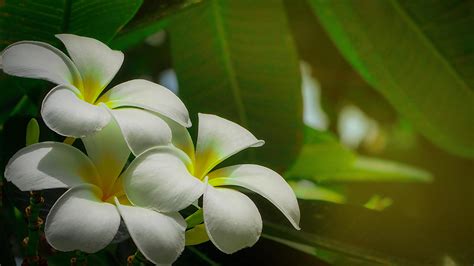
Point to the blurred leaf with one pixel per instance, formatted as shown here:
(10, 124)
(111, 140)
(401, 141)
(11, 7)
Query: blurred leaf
(152, 17)
(418, 55)
(40, 20)
(359, 233)
(16, 99)
(332, 257)
(322, 158)
(236, 59)
(378, 203)
(307, 190)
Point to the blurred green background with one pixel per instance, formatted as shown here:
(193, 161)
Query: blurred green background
(366, 107)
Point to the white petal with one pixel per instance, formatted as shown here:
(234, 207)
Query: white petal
(263, 181)
(79, 220)
(109, 152)
(232, 220)
(50, 165)
(96, 62)
(218, 139)
(180, 137)
(67, 115)
(148, 95)
(142, 129)
(159, 237)
(159, 179)
(39, 60)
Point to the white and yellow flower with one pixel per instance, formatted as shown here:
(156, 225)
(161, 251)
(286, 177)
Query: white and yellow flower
(76, 107)
(87, 216)
(169, 179)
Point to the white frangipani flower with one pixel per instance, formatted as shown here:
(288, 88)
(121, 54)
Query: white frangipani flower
(169, 179)
(76, 108)
(87, 216)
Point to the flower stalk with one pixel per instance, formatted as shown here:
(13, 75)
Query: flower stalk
(34, 227)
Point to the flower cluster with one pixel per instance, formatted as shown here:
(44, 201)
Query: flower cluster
(168, 174)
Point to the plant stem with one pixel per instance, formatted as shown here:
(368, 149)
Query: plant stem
(34, 227)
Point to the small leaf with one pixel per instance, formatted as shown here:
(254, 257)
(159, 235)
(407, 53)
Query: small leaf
(32, 132)
(195, 218)
(196, 235)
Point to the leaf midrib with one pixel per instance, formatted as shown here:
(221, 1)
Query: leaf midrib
(221, 38)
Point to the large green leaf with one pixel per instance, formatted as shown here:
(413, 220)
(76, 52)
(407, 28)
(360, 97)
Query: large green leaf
(153, 16)
(236, 59)
(378, 238)
(324, 159)
(40, 20)
(418, 55)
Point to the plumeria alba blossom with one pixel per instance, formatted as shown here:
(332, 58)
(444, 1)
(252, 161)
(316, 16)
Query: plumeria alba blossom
(87, 216)
(169, 179)
(76, 108)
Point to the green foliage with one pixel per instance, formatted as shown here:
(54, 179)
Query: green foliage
(324, 159)
(359, 235)
(240, 63)
(309, 191)
(40, 20)
(417, 54)
(153, 16)
(237, 59)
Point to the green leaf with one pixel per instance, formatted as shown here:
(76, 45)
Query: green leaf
(236, 59)
(32, 132)
(377, 237)
(418, 55)
(195, 218)
(40, 20)
(307, 190)
(323, 159)
(152, 17)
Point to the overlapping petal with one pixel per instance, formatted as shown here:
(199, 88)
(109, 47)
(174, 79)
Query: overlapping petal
(109, 152)
(232, 220)
(180, 137)
(96, 62)
(142, 129)
(147, 95)
(159, 179)
(218, 139)
(40, 60)
(68, 115)
(79, 220)
(263, 181)
(158, 236)
(50, 165)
